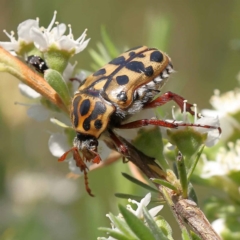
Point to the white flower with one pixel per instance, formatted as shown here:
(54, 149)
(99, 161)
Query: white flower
(226, 105)
(138, 213)
(143, 203)
(24, 36)
(43, 38)
(227, 161)
(204, 125)
(54, 36)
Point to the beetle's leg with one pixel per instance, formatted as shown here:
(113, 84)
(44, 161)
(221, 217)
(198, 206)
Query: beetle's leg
(121, 148)
(145, 122)
(158, 122)
(80, 163)
(170, 96)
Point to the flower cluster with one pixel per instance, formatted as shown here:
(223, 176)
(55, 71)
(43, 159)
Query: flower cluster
(55, 48)
(123, 224)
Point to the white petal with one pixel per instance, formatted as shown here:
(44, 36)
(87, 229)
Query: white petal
(27, 91)
(24, 29)
(58, 144)
(213, 134)
(154, 211)
(82, 46)
(68, 72)
(9, 46)
(40, 40)
(38, 112)
(59, 30)
(81, 76)
(143, 203)
(66, 43)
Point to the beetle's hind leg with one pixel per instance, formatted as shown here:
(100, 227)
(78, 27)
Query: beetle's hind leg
(162, 123)
(170, 96)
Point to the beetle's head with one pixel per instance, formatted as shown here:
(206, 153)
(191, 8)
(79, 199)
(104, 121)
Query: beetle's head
(87, 145)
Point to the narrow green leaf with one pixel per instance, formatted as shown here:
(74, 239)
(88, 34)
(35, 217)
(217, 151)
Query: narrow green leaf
(164, 183)
(136, 225)
(194, 164)
(122, 226)
(115, 234)
(156, 231)
(108, 43)
(56, 81)
(134, 180)
(127, 196)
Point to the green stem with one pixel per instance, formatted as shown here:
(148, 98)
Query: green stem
(182, 174)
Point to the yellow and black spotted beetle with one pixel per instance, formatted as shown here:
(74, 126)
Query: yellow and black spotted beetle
(124, 86)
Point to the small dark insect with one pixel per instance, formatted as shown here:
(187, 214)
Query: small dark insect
(38, 63)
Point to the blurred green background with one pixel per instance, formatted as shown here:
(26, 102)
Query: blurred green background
(36, 200)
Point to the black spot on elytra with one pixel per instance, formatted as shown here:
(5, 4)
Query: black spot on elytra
(122, 80)
(100, 72)
(138, 67)
(75, 110)
(131, 54)
(122, 96)
(118, 61)
(134, 48)
(86, 124)
(98, 124)
(99, 109)
(149, 71)
(156, 56)
(84, 107)
(135, 66)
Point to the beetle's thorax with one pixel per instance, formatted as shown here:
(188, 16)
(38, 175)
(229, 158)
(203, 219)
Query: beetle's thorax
(90, 113)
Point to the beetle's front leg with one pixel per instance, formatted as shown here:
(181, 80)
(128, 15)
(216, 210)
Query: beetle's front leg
(120, 147)
(170, 96)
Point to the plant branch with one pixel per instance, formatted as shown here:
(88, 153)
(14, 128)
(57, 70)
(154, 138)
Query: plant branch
(185, 210)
